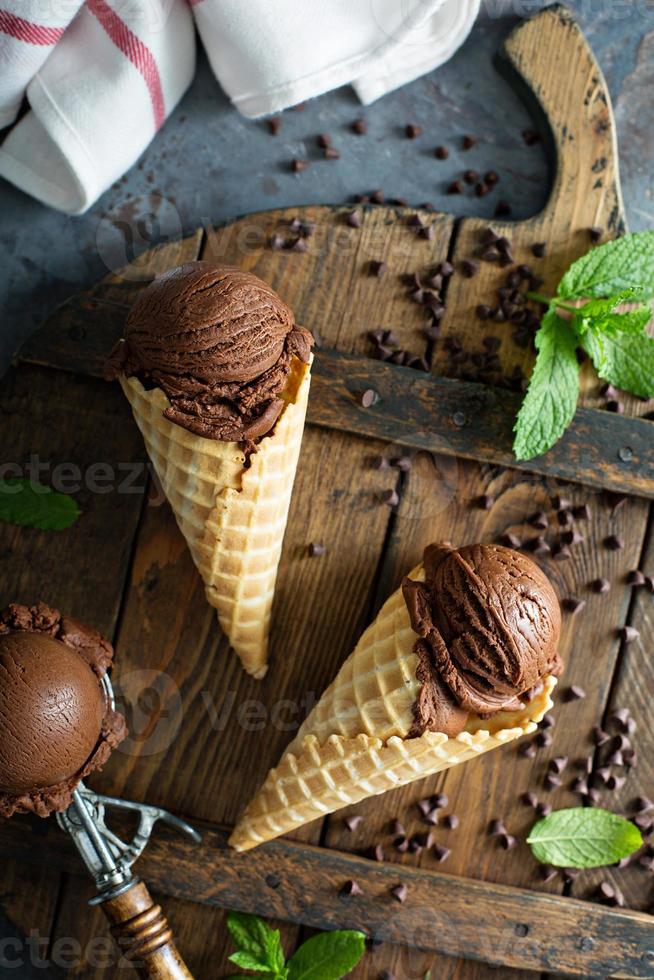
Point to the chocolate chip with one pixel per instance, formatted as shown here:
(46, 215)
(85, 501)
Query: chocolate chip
(600, 737)
(431, 817)
(561, 552)
(401, 844)
(441, 153)
(360, 127)
(628, 634)
(530, 799)
(390, 498)
(399, 892)
(564, 517)
(428, 232)
(574, 693)
(491, 177)
(402, 463)
(595, 234)
(540, 546)
(412, 131)
(572, 604)
(580, 785)
(369, 398)
(512, 540)
(469, 268)
(456, 187)
(439, 800)
(397, 827)
(331, 153)
(635, 577)
(643, 804)
(485, 501)
(421, 840)
(544, 809)
(496, 828)
(351, 887)
(581, 513)
(538, 249)
(552, 781)
(378, 268)
(274, 125)
(527, 750)
(377, 853)
(470, 176)
(353, 821)
(315, 551)
(377, 196)
(600, 585)
(507, 841)
(548, 722)
(547, 872)
(530, 137)
(543, 739)
(540, 520)
(558, 764)
(502, 209)
(451, 821)
(572, 537)
(468, 142)
(441, 852)
(491, 254)
(483, 311)
(277, 242)
(299, 165)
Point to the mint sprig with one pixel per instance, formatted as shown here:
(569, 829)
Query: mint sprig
(328, 956)
(31, 504)
(622, 353)
(583, 837)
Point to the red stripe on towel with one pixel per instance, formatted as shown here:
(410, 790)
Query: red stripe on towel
(134, 49)
(25, 30)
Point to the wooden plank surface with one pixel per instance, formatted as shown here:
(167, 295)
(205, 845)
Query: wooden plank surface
(302, 883)
(197, 722)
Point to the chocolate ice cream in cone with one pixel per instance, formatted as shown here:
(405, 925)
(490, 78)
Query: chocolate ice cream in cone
(217, 373)
(461, 659)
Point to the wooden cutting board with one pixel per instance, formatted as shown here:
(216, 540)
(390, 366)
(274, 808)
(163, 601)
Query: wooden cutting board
(204, 734)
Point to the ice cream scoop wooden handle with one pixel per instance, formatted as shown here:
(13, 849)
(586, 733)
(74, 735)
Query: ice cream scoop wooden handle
(142, 932)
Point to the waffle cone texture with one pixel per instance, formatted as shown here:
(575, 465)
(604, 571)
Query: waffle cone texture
(355, 743)
(233, 517)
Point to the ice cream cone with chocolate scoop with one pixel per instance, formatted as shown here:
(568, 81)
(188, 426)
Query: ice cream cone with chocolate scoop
(461, 659)
(217, 373)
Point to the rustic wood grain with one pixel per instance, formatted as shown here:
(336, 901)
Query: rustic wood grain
(511, 927)
(190, 749)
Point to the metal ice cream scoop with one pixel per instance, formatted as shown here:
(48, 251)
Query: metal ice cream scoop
(137, 924)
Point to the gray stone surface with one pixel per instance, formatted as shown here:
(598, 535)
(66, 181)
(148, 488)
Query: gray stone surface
(208, 164)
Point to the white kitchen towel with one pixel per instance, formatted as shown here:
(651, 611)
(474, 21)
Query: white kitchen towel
(101, 76)
(270, 54)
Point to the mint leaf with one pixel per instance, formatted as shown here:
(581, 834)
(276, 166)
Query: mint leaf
(551, 399)
(249, 962)
(626, 263)
(329, 956)
(583, 837)
(633, 321)
(624, 359)
(32, 504)
(258, 940)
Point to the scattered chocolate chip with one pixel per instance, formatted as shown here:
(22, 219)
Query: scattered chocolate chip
(377, 853)
(401, 844)
(643, 804)
(508, 841)
(581, 513)
(441, 852)
(315, 551)
(527, 750)
(412, 131)
(422, 840)
(377, 196)
(469, 268)
(354, 219)
(512, 540)
(502, 209)
(541, 547)
(441, 153)
(580, 785)
(378, 268)
(547, 872)
(530, 799)
(561, 552)
(485, 501)
(397, 827)
(543, 739)
(351, 887)
(451, 821)
(574, 693)
(564, 517)
(595, 234)
(428, 232)
(390, 498)
(635, 577)
(538, 249)
(600, 737)
(491, 177)
(600, 585)
(299, 165)
(468, 142)
(353, 821)
(369, 398)
(552, 781)
(544, 809)
(399, 892)
(548, 722)
(470, 176)
(431, 817)
(496, 828)
(277, 242)
(360, 127)
(402, 463)
(331, 153)
(572, 604)
(530, 137)
(456, 187)
(540, 520)
(572, 537)
(628, 634)
(380, 463)
(299, 245)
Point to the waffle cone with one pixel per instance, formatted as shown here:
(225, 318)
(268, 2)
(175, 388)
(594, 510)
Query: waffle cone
(232, 517)
(355, 743)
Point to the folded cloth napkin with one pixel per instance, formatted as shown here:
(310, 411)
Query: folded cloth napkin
(101, 76)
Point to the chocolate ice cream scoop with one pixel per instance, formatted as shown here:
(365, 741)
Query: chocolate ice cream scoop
(56, 724)
(489, 624)
(219, 342)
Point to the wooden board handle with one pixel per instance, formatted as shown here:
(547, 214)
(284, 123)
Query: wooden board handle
(142, 932)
